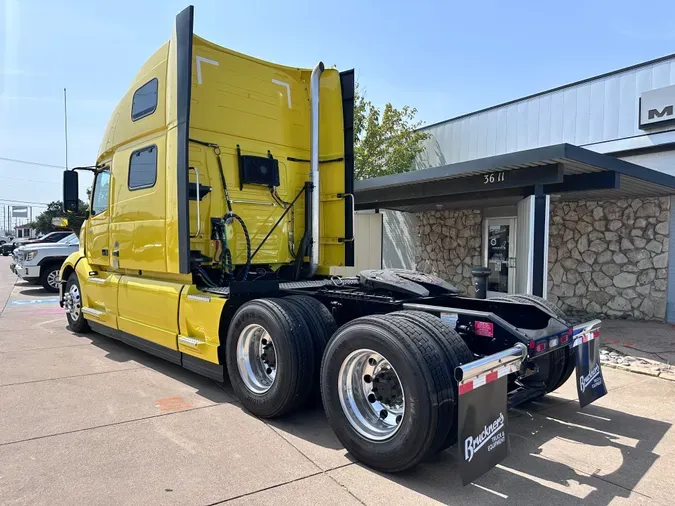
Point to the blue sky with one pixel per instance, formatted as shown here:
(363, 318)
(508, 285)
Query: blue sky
(444, 58)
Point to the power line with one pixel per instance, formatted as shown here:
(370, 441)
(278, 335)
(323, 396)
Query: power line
(29, 180)
(26, 162)
(24, 202)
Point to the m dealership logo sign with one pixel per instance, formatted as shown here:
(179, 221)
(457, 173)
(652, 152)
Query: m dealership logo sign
(655, 113)
(657, 107)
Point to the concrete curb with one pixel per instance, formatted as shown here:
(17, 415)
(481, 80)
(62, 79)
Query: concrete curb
(668, 374)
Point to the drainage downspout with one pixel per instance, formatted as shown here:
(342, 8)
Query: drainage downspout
(315, 85)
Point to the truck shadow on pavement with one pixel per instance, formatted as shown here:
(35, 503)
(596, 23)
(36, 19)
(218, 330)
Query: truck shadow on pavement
(120, 352)
(559, 455)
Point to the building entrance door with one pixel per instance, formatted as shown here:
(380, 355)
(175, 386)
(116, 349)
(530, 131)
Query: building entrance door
(499, 254)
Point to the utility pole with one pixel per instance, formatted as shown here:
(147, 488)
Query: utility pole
(65, 122)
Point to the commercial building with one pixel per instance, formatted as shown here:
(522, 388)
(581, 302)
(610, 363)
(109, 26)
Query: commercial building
(564, 194)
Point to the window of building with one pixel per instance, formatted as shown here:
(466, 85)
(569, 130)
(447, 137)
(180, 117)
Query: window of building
(99, 200)
(143, 168)
(145, 100)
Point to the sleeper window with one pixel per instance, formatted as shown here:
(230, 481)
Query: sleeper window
(145, 100)
(143, 168)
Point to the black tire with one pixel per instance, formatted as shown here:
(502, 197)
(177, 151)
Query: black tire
(556, 367)
(321, 326)
(456, 353)
(423, 371)
(566, 356)
(543, 304)
(294, 356)
(76, 321)
(46, 274)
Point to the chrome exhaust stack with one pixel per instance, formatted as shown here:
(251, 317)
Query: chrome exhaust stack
(315, 85)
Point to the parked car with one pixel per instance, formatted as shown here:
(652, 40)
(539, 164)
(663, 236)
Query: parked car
(7, 248)
(4, 239)
(49, 238)
(42, 262)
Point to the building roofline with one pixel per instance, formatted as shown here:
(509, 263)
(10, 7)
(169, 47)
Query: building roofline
(552, 90)
(549, 154)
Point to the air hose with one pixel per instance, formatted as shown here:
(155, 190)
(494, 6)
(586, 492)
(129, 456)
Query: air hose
(228, 218)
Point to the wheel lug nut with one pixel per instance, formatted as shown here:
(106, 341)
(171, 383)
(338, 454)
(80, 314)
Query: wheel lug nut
(263, 341)
(371, 398)
(367, 378)
(269, 370)
(383, 414)
(399, 418)
(372, 361)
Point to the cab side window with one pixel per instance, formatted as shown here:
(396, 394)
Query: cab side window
(145, 100)
(143, 168)
(99, 200)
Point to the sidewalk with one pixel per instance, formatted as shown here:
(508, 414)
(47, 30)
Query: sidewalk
(642, 347)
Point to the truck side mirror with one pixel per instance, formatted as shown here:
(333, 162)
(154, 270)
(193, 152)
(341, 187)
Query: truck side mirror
(70, 188)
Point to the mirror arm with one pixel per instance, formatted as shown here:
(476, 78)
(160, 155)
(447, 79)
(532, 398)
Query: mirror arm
(90, 168)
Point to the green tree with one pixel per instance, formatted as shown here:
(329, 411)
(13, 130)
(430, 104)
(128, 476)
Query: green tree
(386, 141)
(43, 222)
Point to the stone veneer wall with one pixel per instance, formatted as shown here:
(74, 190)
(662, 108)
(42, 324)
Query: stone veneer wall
(449, 244)
(610, 258)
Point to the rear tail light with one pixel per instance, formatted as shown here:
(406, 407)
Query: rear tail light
(540, 347)
(565, 338)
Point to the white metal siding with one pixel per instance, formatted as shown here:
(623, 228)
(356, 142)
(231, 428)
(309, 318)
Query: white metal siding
(524, 245)
(368, 241)
(663, 161)
(596, 111)
(399, 240)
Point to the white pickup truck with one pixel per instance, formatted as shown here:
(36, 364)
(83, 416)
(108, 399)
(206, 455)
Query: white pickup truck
(41, 262)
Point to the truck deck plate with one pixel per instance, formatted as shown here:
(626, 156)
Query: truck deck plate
(294, 285)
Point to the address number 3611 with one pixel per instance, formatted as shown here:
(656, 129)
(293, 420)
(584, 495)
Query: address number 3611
(495, 177)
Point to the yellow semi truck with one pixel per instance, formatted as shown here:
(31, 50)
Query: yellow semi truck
(220, 237)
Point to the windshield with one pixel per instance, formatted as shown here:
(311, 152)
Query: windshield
(70, 239)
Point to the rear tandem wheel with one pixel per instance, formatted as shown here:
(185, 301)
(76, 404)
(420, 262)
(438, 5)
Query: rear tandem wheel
(555, 367)
(388, 390)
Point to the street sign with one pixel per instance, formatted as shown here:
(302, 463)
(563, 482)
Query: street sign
(19, 212)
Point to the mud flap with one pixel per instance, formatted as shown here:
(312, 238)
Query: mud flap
(590, 383)
(482, 410)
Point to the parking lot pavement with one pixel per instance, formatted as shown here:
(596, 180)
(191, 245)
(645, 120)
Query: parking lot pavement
(88, 420)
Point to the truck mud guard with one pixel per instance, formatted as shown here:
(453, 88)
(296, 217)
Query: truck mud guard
(586, 344)
(482, 411)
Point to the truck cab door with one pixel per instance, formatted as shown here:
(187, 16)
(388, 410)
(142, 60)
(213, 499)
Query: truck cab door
(98, 225)
(100, 283)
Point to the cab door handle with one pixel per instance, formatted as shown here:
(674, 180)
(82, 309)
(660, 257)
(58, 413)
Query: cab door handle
(104, 252)
(116, 253)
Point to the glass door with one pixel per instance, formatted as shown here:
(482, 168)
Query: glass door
(499, 254)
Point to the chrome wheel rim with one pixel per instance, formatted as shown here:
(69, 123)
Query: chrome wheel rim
(73, 302)
(256, 358)
(53, 279)
(371, 395)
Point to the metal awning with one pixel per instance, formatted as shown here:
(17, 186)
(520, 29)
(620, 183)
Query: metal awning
(566, 170)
